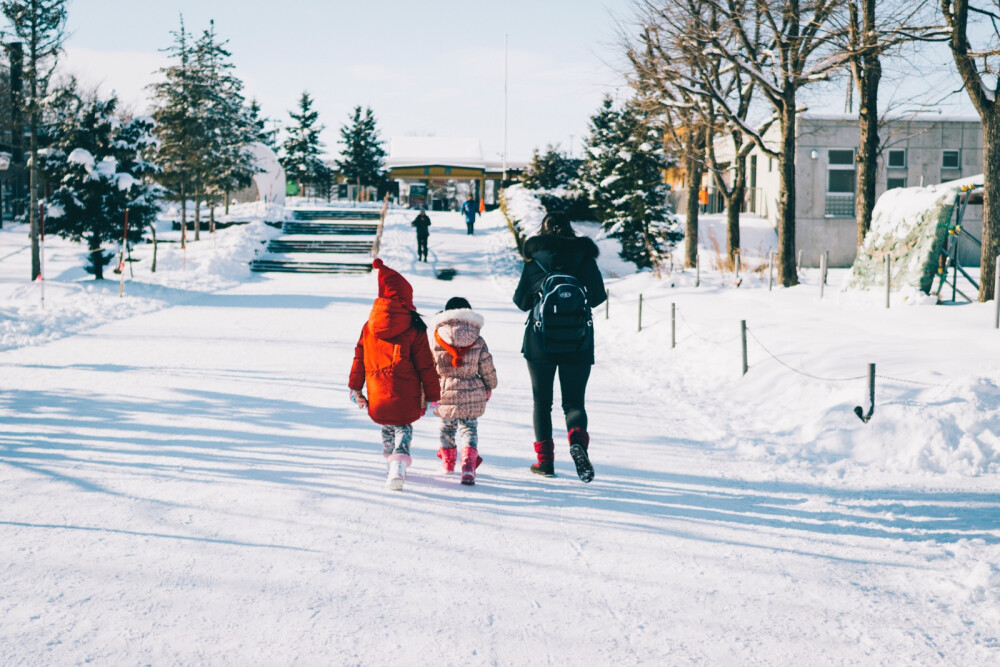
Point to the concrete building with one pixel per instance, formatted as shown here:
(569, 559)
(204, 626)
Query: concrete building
(915, 151)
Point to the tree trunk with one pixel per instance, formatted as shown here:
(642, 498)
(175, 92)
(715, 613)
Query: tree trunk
(96, 257)
(227, 203)
(734, 201)
(152, 230)
(36, 255)
(197, 215)
(871, 74)
(787, 274)
(694, 174)
(211, 215)
(991, 203)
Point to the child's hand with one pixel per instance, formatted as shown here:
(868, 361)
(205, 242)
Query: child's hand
(489, 393)
(359, 399)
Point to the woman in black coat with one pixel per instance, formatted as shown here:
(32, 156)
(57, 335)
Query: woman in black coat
(557, 249)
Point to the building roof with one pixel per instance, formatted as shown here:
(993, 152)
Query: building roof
(451, 151)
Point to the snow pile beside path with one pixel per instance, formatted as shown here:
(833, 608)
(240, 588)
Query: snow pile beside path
(209, 264)
(68, 309)
(523, 209)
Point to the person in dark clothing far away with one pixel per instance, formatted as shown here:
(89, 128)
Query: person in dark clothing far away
(422, 223)
(558, 250)
(470, 211)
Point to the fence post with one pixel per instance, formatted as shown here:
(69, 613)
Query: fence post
(822, 273)
(607, 305)
(640, 312)
(798, 264)
(743, 341)
(996, 293)
(673, 325)
(697, 270)
(888, 278)
(858, 410)
(737, 264)
(826, 264)
(770, 270)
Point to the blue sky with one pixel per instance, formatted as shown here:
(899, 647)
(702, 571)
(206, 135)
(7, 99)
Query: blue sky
(433, 67)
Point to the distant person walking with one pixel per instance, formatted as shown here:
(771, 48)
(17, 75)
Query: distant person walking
(422, 223)
(470, 211)
(703, 199)
(560, 266)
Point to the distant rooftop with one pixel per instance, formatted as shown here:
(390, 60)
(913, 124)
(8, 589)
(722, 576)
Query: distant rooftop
(412, 151)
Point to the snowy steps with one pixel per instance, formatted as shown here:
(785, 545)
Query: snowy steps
(321, 232)
(346, 228)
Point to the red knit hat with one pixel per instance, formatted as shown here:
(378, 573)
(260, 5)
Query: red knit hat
(391, 285)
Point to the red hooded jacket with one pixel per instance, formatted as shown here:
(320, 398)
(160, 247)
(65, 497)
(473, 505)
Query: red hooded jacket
(392, 357)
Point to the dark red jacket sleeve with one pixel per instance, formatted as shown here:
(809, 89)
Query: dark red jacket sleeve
(423, 361)
(357, 379)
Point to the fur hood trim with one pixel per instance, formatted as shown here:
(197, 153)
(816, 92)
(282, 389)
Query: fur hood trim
(457, 315)
(556, 244)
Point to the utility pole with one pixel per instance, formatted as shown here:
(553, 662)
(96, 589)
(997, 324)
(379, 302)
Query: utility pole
(505, 107)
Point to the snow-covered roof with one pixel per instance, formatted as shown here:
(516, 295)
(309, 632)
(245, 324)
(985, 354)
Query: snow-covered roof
(456, 151)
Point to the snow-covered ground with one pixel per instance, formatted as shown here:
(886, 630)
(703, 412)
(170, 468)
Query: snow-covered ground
(183, 480)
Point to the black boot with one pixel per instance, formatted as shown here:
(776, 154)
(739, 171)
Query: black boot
(579, 442)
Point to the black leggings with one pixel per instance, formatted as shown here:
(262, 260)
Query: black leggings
(573, 386)
(421, 247)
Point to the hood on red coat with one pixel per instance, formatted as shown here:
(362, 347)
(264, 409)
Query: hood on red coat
(388, 318)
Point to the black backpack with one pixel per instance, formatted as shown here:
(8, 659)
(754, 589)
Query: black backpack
(561, 320)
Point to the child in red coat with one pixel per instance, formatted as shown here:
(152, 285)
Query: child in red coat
(394, 359)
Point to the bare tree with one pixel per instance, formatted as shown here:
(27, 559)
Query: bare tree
(873, 29)
(978, 69)
(40, 24)
(783, 46)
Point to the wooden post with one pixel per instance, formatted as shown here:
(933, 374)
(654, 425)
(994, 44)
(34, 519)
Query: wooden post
(822, 273)
(798, 264)
(743, 342)
(607, 305)
(673, 325)
(697, 270)
(826, 264)
(860, 411)
(770, 270)
(888, 278)
(640, 312)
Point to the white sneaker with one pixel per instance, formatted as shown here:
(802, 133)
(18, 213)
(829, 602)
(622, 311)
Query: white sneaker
(397, 474)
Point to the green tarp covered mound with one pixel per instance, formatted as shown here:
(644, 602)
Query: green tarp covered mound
(910, 225)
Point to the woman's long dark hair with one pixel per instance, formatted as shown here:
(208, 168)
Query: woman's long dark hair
(417, 322)
(557, 224)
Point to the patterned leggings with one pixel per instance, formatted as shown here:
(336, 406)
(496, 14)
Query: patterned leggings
(389, 445)
(468, 427)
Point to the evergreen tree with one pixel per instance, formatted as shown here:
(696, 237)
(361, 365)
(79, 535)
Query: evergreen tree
(100, 166)
(40, 26)
(258, 126)
(225, 162)
(178, 127)
(623, 177)
(364, 152)
(550, 170)
(302, 148)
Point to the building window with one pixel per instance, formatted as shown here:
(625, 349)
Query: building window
(950, 160)
(447, 170)
(893, 183)
(897, 159)
(840, 182)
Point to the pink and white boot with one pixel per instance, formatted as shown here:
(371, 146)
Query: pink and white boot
(397, 471)
(448, 457)
(470, 461)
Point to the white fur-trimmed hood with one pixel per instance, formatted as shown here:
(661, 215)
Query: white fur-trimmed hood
(457, 315)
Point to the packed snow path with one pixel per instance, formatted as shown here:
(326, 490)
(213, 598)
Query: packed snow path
(192, 485)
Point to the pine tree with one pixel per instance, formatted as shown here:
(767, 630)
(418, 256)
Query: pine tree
(258, 126)
(302, 148)
(225, 162)
(623, 177)
(363, 154)
(550, 170)
(178, 129)
(40, 25)
(100, 166)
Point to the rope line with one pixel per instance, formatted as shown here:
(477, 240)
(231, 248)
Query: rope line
(707, 340)
(924, 384)
(791, 368)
